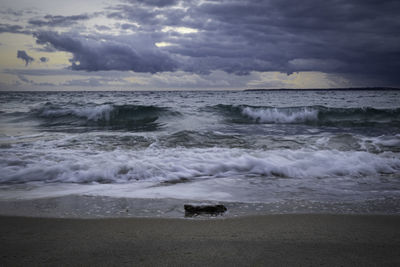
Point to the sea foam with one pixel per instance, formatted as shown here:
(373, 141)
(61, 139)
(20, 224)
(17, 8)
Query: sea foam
(160, 165)
(94, 113)
(311, 115)
(274, 115)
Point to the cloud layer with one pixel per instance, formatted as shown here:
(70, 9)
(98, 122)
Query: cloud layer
(118, 53)
(355, 38)
(59, 21)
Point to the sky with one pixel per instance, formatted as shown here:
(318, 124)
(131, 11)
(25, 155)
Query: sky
(198, 45)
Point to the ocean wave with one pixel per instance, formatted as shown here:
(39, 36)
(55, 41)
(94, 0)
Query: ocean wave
(92, 113)
(275, 115)
(164, 165)
(313, 115)
(129, 117)
(199, 139)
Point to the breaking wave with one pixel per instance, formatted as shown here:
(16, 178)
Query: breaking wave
(314, 115)
(163, 165)
(118, 117)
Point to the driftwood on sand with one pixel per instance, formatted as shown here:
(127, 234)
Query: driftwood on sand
(192, 210)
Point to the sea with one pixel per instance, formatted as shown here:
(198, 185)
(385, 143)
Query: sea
(146, 154)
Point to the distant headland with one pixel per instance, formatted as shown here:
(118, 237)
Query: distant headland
(326, 89)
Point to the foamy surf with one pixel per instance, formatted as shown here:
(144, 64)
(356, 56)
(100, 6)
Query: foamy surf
(94, 113)
(266, 148)
(174, 164)
(275, 115)
(309, 115)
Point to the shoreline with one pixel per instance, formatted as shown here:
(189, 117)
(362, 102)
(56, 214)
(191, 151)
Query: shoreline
(88, 207)
(267, 240)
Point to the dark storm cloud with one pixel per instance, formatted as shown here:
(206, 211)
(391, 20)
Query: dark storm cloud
(8, 28)
(157, 3)
(59, 21)
(243, 36)
(113, 53)
(25, 57)
(355, 36)
(352, 37)
(63, 72)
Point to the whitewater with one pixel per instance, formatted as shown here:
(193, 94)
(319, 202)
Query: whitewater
(275, 151)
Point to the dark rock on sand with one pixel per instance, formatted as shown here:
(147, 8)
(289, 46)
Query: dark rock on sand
(191, 210)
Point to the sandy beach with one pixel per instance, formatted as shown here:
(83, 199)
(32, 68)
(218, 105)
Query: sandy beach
(271, 240)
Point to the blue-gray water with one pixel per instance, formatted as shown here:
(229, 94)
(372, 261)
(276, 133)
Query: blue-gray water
(316, 148)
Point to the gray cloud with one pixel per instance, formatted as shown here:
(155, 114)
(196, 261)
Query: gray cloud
(112, 53)
(64, 72)
(157, 3)
(243, 36)
(25, 57)
(92, 82)
(128, 26)
(102, 28)
(24, 79)
(12, 12)
(10, 28)
(59, 21)
(356, 37)
(4, 28)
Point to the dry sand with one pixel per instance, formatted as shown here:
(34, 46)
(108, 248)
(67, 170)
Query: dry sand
(272, 240)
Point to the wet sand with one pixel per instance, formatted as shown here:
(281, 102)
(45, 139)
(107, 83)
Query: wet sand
(271, 240)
